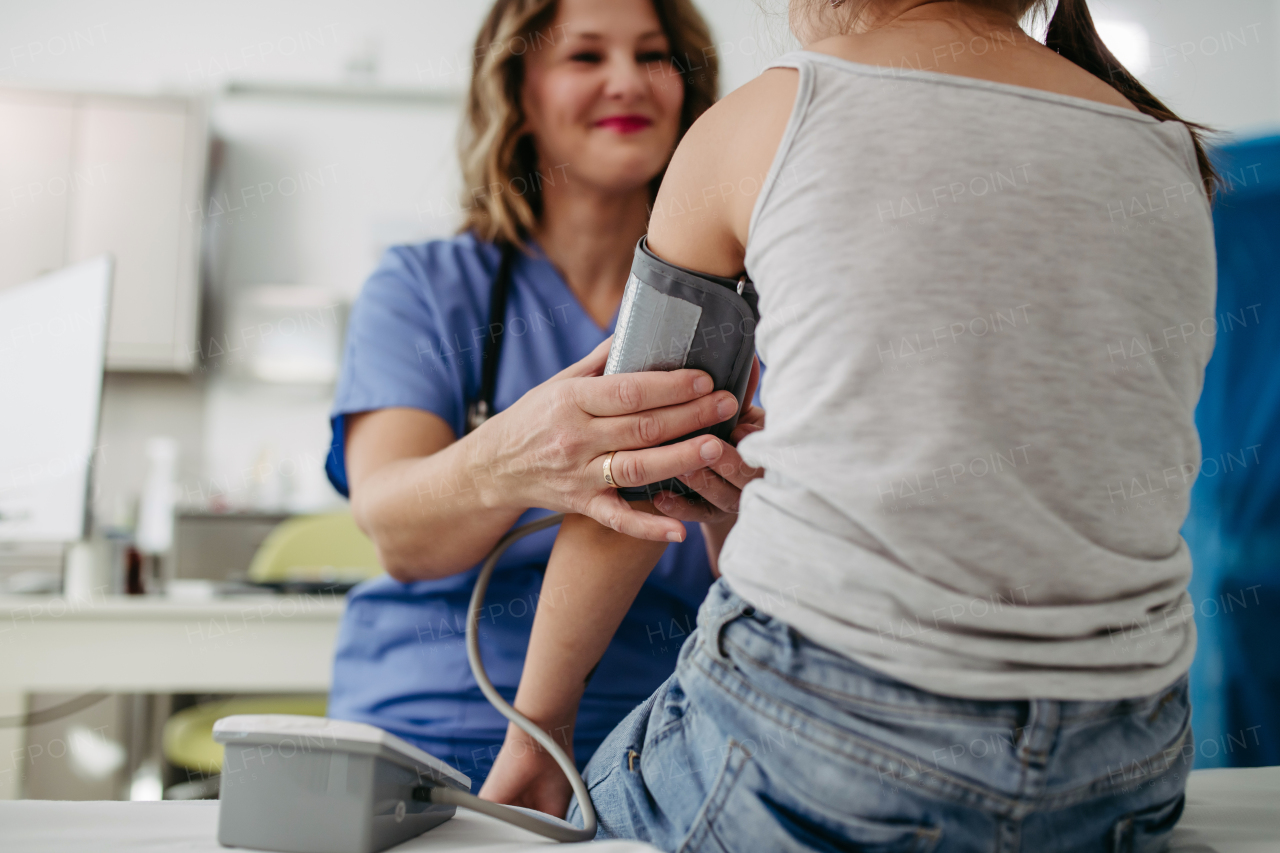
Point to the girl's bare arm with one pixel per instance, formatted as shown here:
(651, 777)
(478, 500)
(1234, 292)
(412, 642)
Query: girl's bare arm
(592, 577)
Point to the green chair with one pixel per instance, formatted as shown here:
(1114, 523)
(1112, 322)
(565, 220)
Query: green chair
(188, 734)
(326, 548)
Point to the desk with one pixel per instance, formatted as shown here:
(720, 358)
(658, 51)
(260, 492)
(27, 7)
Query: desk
(1228, 811)
(141, 644)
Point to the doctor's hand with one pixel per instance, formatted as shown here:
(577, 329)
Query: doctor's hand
(548, 449)
(722, 474)
(526, 775)
(720, 480)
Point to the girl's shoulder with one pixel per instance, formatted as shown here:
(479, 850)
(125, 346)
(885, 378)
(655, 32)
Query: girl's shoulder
(701, 215)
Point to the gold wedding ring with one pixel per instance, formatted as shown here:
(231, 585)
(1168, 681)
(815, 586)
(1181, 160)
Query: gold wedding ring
(608, 469)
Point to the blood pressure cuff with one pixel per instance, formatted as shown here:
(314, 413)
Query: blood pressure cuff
(672, 318)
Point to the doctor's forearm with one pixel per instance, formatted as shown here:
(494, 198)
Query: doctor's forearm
(426, 515)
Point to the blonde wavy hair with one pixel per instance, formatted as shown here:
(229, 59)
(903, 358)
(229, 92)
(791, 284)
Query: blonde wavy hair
(491, 147)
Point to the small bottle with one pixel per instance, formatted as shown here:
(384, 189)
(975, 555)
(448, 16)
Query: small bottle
(134, 574)
(154, 536)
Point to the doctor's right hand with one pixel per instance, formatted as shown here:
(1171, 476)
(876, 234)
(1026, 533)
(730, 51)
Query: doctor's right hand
(548, 449)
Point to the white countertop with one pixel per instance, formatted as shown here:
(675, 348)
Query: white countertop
(265, 643)
(35, 826)
(1228, 811)
(17, 609)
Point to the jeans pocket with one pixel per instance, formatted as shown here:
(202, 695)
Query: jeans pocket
(1146, 831)
(742, 813)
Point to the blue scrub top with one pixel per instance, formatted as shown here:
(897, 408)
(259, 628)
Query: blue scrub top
(414, 339)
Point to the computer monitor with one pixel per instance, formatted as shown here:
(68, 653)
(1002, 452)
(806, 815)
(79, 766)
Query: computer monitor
(53, 334)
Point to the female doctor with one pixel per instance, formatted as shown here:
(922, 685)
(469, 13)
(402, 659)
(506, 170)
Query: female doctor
(573, 112)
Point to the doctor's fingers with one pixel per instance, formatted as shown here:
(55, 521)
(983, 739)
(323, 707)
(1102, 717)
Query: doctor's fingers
(641, 467)
(683, 509)
(729, 464)
(628, 393)
(611, 510)
(715, 490)
(653, 427)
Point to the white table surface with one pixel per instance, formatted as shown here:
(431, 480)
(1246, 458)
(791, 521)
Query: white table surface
(1228, 811)
(35, 826)
(1234, 810)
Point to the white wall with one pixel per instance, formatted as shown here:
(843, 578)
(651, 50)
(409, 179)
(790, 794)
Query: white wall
(144, 45)
(149, 45)
(1213, 61)
(368, 176)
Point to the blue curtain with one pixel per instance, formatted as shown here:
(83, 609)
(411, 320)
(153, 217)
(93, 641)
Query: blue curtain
(1233, 528)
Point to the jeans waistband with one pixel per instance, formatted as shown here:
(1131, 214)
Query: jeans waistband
(729, 627)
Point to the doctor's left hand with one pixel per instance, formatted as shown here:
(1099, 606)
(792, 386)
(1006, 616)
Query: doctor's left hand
(525, 774)
(721, 479)
(722, 476)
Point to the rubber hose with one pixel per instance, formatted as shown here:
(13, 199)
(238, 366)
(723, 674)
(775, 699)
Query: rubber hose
(445, 795)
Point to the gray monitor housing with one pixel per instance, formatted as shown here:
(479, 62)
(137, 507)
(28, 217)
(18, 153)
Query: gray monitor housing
(313, 785)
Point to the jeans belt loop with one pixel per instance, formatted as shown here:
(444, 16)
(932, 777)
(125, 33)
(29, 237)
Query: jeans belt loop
(720, 614)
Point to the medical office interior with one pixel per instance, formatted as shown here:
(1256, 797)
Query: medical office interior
(215, 182)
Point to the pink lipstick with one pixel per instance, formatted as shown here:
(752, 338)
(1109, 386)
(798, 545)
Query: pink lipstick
(625, 123)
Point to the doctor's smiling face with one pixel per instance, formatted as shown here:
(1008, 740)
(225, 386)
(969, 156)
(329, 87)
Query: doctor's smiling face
(604, 100)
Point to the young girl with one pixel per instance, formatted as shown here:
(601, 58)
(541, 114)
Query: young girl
(947, 618)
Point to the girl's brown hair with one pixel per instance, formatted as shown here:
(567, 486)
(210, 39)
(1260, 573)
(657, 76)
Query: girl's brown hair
(503, 199)
(1073, 35)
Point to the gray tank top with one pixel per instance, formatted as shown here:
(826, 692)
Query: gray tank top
(986, 313)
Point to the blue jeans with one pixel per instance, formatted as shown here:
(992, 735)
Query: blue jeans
(763, 741)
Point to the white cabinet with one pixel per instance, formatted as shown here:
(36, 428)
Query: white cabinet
(85, 174)
(35, 178)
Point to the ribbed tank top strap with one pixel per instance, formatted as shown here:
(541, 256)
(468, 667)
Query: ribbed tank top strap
(806, 65)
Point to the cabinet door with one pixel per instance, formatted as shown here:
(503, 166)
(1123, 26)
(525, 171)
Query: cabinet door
(36, 183)
(135, 207)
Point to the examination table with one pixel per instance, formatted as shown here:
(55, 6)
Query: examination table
(1228, 811)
